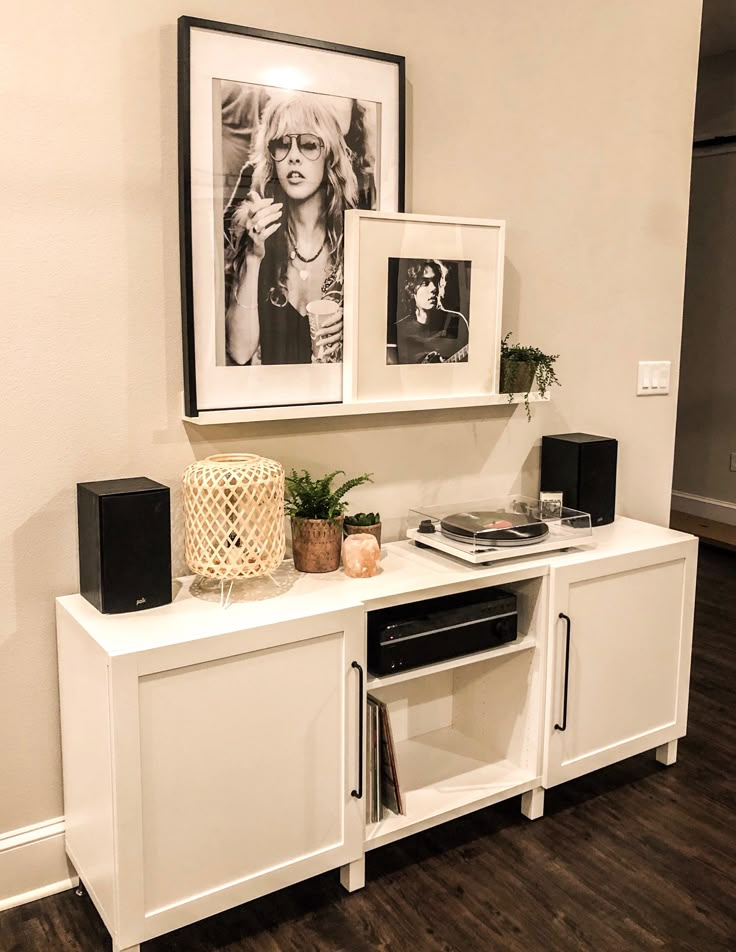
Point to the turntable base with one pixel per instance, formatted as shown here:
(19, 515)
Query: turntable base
(489, 530)
(477, 556)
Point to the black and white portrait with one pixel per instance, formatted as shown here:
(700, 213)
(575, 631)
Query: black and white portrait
(291, 164)
(428, 311)
(279, 138)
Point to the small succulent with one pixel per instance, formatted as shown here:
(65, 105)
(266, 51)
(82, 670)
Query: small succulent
(363, 519)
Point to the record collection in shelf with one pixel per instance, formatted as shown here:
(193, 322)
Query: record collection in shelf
(382, 777)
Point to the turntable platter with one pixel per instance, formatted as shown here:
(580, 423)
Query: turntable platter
(489, 529)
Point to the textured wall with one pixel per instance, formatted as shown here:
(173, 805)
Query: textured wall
(572, 120)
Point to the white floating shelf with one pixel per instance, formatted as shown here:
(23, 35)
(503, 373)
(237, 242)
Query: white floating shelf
(322, 410)
(443, 776)
(521, 644)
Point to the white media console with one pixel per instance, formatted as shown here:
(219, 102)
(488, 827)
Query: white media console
(212, 755)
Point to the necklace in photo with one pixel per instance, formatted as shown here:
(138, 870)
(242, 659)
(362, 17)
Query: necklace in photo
(294, 253)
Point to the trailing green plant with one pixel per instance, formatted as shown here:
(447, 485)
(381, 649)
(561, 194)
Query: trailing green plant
(513, 356)
(308, 498)
(363, 519)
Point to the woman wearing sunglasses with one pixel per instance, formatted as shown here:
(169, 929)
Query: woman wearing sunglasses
(285, 239)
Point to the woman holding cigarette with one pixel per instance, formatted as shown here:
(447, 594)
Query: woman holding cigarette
(285, 240)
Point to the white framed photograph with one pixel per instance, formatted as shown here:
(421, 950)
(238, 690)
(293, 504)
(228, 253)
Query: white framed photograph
(278, 136)
(422, 306)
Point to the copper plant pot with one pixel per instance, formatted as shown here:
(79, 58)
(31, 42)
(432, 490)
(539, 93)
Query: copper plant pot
(517, 376)
(316, 544)
(374, 530)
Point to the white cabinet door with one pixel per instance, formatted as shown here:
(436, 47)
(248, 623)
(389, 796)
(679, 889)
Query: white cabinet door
(247, 754)
(627, 658)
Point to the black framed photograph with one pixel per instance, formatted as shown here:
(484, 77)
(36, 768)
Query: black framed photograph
(422, 308)
(279, 136)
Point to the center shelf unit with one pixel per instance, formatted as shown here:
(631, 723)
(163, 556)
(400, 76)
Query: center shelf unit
(467, 732)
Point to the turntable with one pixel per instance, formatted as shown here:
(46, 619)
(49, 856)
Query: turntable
(491, 529)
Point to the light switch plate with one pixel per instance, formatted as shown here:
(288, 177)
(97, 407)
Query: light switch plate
(653, 378)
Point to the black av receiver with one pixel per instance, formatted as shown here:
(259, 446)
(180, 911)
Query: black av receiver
(408, 636)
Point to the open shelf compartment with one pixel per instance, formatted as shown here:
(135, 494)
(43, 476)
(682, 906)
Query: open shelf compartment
(465, 738)
(530, 620)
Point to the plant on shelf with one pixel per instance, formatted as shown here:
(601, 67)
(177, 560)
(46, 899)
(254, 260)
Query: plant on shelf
(369, 522)
(521, 367)
(316, 509)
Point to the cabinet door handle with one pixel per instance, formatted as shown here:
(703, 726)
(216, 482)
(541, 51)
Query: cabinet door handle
(563, 726)
(359, 792)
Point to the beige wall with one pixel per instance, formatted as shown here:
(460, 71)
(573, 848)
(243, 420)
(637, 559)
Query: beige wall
(706, 415)
(572, 120)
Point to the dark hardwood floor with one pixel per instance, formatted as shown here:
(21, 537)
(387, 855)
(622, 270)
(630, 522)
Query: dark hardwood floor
(636, 856)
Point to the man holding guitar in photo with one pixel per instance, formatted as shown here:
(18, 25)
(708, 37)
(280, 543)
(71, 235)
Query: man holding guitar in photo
(425, 331)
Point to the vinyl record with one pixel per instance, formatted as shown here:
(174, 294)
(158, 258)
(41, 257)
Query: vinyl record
(488, 529)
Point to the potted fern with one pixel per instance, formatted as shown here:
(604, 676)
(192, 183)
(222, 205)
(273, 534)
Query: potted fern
(364, 522)
(316, 509)
(522, 366)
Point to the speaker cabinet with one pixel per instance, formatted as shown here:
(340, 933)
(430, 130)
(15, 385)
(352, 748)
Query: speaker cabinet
(124, 544)
(583, 468)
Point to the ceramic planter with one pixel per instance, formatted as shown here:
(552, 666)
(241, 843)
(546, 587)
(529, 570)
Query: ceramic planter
(316, 544)
(517, 376)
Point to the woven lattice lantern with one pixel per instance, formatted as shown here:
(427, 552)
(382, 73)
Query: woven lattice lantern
(234, 516)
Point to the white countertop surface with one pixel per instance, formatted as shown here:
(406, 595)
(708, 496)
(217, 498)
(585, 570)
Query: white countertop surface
(405, 571)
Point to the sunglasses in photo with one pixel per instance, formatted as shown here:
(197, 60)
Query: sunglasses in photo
(309, 145)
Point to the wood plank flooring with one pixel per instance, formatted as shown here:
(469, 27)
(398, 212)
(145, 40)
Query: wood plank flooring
(633, 857)
(717, 533)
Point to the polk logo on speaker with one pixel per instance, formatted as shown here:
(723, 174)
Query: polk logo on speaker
(124, 544)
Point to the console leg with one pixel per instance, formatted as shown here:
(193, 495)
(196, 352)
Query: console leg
(667, 753)
(352, 876)
(125, 948)
(532, 803)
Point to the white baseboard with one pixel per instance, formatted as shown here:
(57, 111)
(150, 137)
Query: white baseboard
(33, 864)
(718, 510)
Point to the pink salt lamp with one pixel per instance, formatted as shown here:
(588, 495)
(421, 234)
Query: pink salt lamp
(360, 555)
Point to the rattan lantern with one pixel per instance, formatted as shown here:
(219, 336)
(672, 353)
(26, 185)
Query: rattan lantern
(234, 516)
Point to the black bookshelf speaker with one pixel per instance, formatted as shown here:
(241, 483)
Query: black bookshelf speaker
(583, 468)
(124, 544)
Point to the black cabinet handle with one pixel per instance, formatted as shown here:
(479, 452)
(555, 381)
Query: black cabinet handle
(359, 792)
(563, 726)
